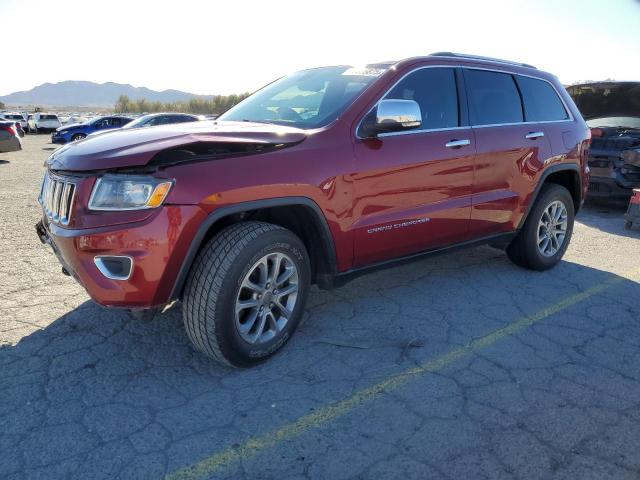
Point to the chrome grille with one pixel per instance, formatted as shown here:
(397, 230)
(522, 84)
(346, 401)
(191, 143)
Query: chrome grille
(56, 198)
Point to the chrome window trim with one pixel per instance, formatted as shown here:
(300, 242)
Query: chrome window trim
(422, 130)
(496, 70)
(520, 123)
(97, 260)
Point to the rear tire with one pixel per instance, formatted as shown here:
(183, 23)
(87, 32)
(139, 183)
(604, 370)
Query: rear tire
(227, 300)
(543, 240)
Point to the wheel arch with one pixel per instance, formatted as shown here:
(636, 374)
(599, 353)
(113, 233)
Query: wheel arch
(566, 175)
(301, 215)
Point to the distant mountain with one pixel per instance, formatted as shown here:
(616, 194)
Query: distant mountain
(90, 94)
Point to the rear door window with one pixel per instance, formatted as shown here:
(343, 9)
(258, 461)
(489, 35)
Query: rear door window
(435, 91)
(540, 100)
(493, 98)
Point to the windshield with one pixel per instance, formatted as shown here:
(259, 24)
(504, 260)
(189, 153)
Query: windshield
(305, 99)
(625, 122)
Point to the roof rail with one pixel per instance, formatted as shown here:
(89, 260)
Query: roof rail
(478, 57)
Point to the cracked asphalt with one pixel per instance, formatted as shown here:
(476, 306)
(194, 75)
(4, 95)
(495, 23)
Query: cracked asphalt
(454, 367)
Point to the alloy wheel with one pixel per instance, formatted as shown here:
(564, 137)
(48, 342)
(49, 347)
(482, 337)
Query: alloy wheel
(552, 228)
(266, 298)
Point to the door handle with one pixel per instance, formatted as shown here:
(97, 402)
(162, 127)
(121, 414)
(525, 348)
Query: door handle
(534, 135)
(457, 143)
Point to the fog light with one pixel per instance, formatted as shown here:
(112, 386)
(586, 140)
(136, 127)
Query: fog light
(114, 267)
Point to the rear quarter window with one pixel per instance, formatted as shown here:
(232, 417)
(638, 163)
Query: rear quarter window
(540, 100)
(493, 98)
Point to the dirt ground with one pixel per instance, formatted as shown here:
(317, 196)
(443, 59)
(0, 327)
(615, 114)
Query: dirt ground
(458, 366)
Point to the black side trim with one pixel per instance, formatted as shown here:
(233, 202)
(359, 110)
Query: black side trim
(463, 102)
(327, 238)
(572, 167)
(344, 277)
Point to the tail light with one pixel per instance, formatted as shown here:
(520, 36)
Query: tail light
(635, 199)
(8, 128)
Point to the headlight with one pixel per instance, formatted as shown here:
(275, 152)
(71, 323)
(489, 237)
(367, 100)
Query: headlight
(127, 192)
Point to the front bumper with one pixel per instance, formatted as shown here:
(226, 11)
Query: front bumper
(58, 139)
(157, 247)
(607, 187)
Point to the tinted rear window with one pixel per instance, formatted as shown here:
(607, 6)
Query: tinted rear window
(434, 89)
(540, 100)
(48, 117)
(493, 98)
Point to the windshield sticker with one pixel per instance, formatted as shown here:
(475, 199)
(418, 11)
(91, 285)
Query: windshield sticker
(363, 72)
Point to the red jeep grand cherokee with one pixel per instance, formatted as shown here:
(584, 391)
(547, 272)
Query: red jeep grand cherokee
(315, 177)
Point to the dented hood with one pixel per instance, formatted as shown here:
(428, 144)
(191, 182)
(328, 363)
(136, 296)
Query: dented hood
(137, 147)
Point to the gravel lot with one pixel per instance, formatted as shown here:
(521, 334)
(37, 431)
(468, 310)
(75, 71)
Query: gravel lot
(458, 366)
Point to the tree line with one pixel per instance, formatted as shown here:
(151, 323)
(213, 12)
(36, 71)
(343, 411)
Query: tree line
(206, 106)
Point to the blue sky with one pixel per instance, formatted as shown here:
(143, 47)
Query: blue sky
(232, 46)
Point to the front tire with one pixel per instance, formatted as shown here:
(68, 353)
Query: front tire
(78, 136)
(545, 236)
(246, 293)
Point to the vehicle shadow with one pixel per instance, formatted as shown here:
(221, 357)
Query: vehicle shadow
(97, 389)
(607, 217)
(2, 162)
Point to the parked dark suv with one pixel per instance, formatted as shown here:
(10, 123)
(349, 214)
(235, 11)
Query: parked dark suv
(312, 179)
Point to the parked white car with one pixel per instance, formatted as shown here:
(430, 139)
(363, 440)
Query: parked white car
(43, 122)
(72, 119)
(18, 117)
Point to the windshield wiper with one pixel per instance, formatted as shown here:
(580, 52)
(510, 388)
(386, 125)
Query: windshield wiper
(255, 121)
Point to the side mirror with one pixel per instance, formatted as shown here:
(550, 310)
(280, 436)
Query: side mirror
(392, 116)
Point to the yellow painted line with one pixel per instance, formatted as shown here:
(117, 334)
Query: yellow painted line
(255, 445)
